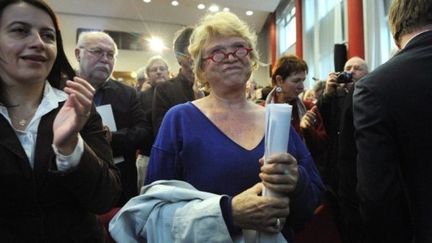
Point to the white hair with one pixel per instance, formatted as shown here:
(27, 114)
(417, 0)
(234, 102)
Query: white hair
(85, 36)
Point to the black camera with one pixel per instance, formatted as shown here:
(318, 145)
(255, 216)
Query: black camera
(344, 77)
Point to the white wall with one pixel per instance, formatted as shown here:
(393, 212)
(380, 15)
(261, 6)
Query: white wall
(262, 75)
(130, 60)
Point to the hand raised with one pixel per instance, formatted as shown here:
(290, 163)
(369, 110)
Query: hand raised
(331, 84)
(73, 115)
(308, 121)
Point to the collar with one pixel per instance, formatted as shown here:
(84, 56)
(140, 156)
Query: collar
(106, 85)
(426, 29)
(50, 101)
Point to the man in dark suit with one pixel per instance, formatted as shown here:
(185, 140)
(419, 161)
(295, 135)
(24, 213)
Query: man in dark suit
(96, 53)
(157, 71)
(393, 126)
(179, 89)
(339, 169)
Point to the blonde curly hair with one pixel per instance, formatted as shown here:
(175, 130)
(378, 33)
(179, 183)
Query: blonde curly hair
(221, 24)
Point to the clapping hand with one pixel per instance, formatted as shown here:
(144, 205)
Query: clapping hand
(73, 115)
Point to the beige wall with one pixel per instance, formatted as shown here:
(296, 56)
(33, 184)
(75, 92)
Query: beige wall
(131, 60)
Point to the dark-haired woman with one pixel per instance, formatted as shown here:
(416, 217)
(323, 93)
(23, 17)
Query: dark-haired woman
(56, 169)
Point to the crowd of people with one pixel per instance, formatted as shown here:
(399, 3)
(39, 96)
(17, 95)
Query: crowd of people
(184, 161)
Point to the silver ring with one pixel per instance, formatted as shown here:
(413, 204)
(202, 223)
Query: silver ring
(278, 223)
(286, 172)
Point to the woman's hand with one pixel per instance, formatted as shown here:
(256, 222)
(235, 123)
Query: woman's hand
(280, 173)
(252, 211)
(309, 120)
(73, 115)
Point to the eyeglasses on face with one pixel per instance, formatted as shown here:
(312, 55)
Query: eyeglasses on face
(220, 56)
(158, 68)
(99, 53)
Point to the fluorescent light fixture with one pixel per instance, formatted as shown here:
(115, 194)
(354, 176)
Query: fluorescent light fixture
(175, 3)
(146, 1)
(226, 9)
(201, 6)
(213, 8)
(249, 13)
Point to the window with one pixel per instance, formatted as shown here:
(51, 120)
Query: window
(286, 29)
(324, 26)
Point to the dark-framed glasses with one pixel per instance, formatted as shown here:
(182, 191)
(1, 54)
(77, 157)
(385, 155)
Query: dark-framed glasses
(99, 53)
(220, 56)
(158, 68)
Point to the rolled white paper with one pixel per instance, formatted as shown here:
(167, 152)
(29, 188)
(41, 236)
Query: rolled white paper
(278, 123)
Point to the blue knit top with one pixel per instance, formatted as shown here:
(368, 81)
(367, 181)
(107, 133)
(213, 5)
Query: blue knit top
(190, 147)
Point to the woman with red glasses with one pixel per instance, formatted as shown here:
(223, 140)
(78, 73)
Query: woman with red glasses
(216, 144)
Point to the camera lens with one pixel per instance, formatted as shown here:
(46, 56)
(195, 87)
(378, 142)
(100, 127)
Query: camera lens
(344, 77)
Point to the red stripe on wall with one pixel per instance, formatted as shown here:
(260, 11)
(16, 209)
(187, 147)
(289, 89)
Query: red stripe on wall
(273, 43)
(299, 28)
(355, 29)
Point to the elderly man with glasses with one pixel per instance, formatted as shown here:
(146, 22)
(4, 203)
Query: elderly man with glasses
(96, 53)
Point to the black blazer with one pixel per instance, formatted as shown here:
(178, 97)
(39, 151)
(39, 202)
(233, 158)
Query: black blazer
(393, 122)
(132, 127)
(133, 131)
(347, 161)
(45, 205)
(146, 101)
(168, 94)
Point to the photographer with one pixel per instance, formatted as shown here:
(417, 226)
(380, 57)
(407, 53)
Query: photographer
(339, 168)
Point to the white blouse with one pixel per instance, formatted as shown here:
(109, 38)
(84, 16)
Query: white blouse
(51, 98)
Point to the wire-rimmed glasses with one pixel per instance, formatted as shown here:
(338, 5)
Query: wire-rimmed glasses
(99, 53)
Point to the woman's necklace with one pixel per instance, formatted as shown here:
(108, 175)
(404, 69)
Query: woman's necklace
(22, 122)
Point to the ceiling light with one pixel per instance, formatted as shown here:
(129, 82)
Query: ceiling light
(175, 3)
(201, 6)
(226, 9)
(214, 8)
(249, 13)
(146, 1)
(156, 44)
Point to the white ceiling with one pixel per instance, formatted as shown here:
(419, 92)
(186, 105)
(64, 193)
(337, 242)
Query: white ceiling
(161, 10)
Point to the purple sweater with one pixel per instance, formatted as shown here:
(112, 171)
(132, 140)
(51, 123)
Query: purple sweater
(191, 148)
